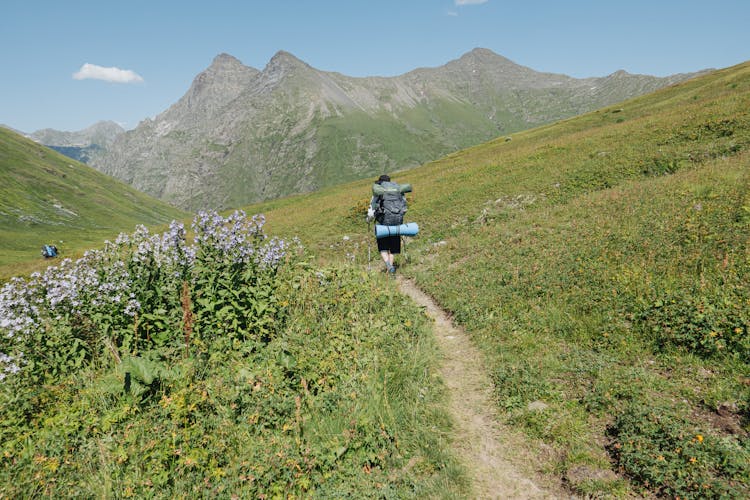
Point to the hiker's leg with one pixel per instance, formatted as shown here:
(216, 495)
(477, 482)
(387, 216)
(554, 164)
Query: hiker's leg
(385, 254)
(395, 249)
(388, 260)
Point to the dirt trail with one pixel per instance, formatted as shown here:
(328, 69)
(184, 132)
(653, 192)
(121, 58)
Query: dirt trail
(480, 442)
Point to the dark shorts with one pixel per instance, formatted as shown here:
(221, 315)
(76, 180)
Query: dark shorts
(390, 243)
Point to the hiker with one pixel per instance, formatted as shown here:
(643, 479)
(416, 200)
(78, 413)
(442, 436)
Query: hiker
(388, 209)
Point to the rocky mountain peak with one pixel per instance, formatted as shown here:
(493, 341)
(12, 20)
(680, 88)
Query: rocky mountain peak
(495, 70)
(224, 62)
(221, 82)
(480, 53)
(283, 57)
(282, 65)
(485, 56)
(283, 62)
(105, 126)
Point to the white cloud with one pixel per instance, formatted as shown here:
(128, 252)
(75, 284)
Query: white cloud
(116, 75)
(470, 2)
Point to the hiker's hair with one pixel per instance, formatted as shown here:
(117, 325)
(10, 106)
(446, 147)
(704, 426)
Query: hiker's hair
(384, 178)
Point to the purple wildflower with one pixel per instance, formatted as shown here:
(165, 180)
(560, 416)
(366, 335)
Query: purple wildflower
(107, 283)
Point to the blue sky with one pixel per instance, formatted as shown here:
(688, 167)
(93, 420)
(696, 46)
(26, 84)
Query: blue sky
(143, 55)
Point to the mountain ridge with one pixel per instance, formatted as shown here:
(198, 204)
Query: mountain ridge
(241, 135)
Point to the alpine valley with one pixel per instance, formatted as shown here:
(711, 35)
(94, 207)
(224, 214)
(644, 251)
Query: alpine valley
(240, 135)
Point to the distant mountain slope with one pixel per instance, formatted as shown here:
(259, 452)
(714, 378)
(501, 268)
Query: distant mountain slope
(102, 133)
(46, 197)
(81, 145)
(241, 135)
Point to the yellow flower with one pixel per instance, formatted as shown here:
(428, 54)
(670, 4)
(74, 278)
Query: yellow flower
(699, 438)
(693, 460)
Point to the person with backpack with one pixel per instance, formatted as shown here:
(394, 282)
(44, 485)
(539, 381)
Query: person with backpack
(387, 207)
(49, 251)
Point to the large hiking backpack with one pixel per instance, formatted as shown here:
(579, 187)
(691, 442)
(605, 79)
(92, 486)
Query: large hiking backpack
(391, 203)
(49, 251)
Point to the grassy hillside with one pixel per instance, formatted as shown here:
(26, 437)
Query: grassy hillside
(602, 265)
(46, 197)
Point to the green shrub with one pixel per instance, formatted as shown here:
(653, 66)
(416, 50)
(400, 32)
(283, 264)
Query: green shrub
(705, 322)
(668, 454)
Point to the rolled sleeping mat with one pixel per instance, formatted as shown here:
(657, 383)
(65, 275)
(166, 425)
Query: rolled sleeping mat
(410, 229)
(378, 190)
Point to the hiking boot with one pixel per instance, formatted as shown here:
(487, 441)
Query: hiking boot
(392, 270)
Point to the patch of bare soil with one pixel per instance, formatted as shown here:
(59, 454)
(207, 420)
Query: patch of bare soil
(495, 457)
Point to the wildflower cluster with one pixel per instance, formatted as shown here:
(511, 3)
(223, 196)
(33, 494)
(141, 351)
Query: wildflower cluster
(238, 239)
(130, 289)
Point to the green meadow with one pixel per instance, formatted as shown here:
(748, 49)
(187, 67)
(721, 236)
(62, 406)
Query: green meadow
(48, 198)
(600, 263)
